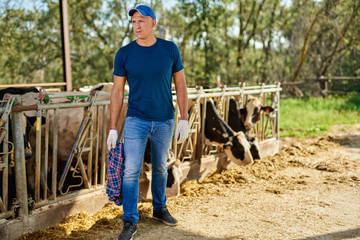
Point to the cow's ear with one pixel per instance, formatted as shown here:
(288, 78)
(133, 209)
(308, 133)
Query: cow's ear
(267, 109)
(43, 120)
(243, 111)
(31, 120)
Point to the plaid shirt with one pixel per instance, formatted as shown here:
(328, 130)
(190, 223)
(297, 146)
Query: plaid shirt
(115, 173)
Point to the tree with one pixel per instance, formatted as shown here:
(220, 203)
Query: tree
(239, 40)
(329, 36)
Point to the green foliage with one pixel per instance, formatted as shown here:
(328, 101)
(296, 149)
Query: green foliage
(237, 40)
(29, 46)
(31, 41)
(352, 102)
(313, 116)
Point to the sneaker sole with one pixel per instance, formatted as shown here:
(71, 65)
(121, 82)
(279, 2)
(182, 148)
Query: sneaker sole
(133, 235)
(166, 223)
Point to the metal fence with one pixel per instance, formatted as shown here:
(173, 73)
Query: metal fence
(266, 130)
(322, 86)
(46, 179)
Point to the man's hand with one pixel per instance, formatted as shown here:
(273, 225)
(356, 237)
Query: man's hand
(182, 129)
(111, 141)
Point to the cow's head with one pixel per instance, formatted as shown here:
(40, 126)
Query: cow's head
(28, 123)
(31, 97)
(218, 132)
(239, 152)
(251, 113)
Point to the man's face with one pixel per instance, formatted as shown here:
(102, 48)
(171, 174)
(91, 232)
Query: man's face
(143, 26)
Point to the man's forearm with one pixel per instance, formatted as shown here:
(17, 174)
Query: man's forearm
(182, 100)
(181, 93)
(116, 102)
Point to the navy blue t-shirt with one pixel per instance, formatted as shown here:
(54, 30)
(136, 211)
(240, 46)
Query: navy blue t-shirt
(149, 74)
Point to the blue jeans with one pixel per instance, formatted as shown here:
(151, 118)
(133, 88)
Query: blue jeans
(136, 134)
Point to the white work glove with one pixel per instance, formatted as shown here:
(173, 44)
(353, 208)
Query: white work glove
(111, 141)
(182, 129)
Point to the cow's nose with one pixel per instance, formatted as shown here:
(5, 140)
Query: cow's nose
(248, 125)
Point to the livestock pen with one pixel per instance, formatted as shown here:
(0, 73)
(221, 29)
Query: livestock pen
(64, 183)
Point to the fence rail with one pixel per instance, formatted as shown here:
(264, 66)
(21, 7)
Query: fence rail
(34, 85)
(337, 85)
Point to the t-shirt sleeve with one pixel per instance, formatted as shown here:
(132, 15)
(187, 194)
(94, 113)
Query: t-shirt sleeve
(177, 63)
(119, 64)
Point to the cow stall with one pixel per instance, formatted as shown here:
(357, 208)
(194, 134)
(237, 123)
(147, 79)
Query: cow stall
(67, 170)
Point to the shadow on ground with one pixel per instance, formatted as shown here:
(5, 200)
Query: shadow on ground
(348, 234)
(352, 141)
(148, 229)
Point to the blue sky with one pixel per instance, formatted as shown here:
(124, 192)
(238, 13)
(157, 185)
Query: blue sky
(29, 4)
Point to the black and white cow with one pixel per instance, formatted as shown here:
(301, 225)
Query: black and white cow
(218, 132)
(236, 123)
(243, 120)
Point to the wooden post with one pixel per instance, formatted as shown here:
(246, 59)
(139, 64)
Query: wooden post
(326, 86)
(65, 37)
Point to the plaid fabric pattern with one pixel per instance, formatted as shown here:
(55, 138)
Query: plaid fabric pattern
(115, 173)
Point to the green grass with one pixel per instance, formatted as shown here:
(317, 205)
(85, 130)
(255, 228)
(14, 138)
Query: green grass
(313, 116)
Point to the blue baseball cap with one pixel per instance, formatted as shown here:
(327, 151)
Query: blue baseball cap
(143, 10)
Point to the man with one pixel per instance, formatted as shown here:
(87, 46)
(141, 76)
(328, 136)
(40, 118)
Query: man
(148, 64)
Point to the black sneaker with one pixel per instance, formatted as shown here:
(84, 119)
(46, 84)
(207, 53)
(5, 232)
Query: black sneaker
(164, 216)
(128, 231)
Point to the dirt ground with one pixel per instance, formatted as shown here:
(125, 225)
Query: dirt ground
(309, 191)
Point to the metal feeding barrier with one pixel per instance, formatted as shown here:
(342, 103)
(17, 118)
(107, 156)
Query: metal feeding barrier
(266, 131)
(6, 104)
(34, 188)
(49, 179)
(79, 148)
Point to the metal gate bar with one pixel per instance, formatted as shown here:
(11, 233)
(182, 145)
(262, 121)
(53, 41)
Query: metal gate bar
(20, 171)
